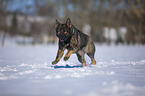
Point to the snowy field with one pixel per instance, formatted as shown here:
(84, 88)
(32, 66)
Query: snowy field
(27, 71)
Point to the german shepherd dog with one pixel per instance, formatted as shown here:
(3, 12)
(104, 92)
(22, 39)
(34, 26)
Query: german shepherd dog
(74, 41)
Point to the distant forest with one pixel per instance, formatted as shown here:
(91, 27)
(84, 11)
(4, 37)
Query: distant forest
(36, 19)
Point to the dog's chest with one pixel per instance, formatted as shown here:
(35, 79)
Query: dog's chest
(72, 44)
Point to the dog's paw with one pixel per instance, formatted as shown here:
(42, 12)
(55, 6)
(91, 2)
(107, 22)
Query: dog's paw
(54, 62)
(66, 58)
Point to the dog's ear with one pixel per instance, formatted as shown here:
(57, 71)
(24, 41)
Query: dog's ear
(57, 23)
(68, 22)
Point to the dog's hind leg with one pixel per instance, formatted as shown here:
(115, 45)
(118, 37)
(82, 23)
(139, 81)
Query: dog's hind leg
(93, 61)
(80, 56)
(90, 52)
(92, 58)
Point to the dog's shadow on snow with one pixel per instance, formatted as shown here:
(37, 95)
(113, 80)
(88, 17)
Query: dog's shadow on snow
(67, 66)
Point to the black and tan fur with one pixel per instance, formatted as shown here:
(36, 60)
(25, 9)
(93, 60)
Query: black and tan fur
(74, 41)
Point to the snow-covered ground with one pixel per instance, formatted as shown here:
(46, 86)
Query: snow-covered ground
(27, 71)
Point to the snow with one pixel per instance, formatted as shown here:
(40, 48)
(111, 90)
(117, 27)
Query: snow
(27, 71)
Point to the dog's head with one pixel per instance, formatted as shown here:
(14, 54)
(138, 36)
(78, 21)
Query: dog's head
(63, 31)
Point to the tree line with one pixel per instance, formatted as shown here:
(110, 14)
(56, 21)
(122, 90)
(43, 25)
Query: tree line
(98, 14)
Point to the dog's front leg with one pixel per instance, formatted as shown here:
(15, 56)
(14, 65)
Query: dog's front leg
(59, 55)
(69, 52)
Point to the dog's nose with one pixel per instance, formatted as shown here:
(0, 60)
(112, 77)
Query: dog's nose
(61, 31)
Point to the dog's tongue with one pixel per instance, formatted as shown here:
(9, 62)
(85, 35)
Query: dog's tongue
(61, 40)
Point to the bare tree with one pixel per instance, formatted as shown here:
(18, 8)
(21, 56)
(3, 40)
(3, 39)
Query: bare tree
(136, 20)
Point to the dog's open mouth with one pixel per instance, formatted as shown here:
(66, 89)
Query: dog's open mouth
(61, 40)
